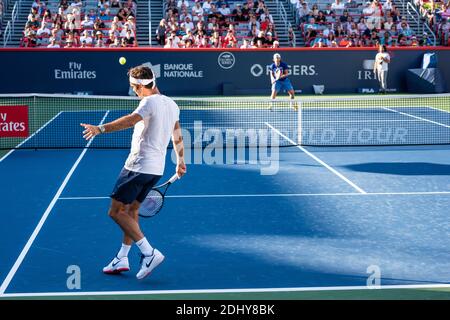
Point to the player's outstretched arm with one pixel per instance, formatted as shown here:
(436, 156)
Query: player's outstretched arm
(177, 139)
(122, 123)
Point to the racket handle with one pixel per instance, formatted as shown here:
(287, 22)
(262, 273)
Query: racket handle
(174, 178)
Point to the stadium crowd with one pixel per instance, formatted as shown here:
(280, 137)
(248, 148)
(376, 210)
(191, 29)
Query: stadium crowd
(232, 24)
(216, 24)
(81, 23)
(437, 15)
(351, 23)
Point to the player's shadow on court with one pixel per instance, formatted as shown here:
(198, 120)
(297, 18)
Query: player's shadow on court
(403, 168)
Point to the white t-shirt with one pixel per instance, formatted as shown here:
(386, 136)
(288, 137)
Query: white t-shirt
(381, 64)
(151, 136)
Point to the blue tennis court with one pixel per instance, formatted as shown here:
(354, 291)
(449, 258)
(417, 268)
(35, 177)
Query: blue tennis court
(305, 217)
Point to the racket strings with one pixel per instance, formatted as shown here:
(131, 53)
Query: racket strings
(152, 204)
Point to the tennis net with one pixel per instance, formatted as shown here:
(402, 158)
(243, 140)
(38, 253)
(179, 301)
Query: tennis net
(36, 121)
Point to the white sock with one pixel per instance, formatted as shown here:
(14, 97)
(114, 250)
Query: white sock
(123, 252)
(145, 247)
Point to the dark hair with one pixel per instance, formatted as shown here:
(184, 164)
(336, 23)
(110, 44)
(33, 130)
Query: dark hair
(142, 72)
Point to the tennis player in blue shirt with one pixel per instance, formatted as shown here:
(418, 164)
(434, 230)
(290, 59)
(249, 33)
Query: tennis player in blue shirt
(279, 72)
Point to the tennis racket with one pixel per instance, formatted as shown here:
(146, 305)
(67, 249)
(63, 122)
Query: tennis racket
(276, 75)
(154, 201)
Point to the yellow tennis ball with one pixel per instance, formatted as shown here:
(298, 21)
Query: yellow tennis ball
(122, 60)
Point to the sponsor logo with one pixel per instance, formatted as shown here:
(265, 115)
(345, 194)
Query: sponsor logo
(226, 60)
(367, 71)
(175, 70)
(294, 70)
(74, 72)
(14, 121)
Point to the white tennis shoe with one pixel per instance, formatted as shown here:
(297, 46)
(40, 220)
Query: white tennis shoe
(117, 265)
(148, 263)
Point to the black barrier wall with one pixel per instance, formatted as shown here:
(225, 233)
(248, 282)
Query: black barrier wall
(204, 72)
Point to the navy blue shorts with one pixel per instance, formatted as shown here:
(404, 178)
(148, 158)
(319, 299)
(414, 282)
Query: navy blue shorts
(132, 186)
(284, 85)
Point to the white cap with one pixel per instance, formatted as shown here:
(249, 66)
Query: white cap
(276, 56)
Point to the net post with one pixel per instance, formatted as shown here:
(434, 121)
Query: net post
(299, 121)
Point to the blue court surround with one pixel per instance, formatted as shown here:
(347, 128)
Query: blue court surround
(226, 226)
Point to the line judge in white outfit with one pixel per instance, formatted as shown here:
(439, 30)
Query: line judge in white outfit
(381, 66)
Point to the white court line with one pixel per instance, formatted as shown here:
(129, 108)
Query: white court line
(38, 228)
(437, 109)
(318, 160)
(416, 117)
(36, 132)
(263, 195)
(244, 290)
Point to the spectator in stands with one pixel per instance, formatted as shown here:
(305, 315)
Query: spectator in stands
(260, 37)
(86, 39)
(345, 42)
(265, 24)
(206, 6)
(204, 43)
(131, 23)
(271, 29)
(303, 12)
(43, 31)
(87, 23)
(199, 28)
(401, 24)
(269, 40)
(131, 6)
(310, 29)
(253, 22)
(111, 39)
(188, 35)
(230, 39)
(388, 5)
(388, 23)
(276, 44)
(73, 37)
(161, 32)
(265, 14)
(70, 23)
(182, 3)
(405, 30)
(337, 5)
(291, 38)
(245, 44)
(98, 37)
(197, 12)
(224, 10)
(426, 40)
(122, 15)
(32, 22)
(57, 33)
(53, 43)
(187, 24)
(64, 4)
(183, 14)
(239, 16)
(318, 41)
(131, 40)
(116, 4)
(246, 10)
(47, 17)
(116, 43)
(328, 11)
(386, 39)
(125, 30)
(351, 4)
